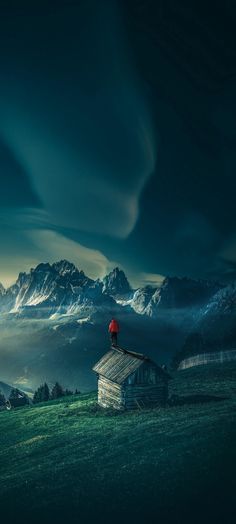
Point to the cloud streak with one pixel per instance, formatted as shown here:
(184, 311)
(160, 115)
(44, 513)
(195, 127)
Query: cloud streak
(29, 239)
(55, 246)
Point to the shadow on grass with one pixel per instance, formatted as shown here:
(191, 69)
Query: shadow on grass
(176, 400)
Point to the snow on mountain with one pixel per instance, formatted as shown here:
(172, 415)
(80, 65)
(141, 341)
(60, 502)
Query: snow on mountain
(74, 311)
(142, 298)
(217, 319)
(116, 283)
(214, 326)
(58, 289)
(174, 293)
(223, 302)
(61, 289)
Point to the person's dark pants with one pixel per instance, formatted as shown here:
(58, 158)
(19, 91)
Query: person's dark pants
(114, 338)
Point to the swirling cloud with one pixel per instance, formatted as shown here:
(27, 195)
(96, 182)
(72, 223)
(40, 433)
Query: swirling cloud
(85, 138)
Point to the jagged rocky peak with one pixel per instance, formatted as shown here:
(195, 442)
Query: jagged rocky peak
(20, 280)
(174, 292)
(182, 292)
(64, 267)
(41, 268)
(61, 267)
(67, 271)
(116, 283)
(142, 298)
(2, 289)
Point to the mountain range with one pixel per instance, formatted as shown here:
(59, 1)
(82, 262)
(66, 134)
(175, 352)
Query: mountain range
(54, 321)
(58, 289)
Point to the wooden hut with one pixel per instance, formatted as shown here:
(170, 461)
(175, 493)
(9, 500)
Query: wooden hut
(128, 380)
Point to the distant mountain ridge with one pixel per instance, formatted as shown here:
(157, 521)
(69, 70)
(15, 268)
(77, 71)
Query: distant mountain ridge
(174, 293)
(59, 288)
(6, 389)
(214, 328)
(217, 319)
(62, 289)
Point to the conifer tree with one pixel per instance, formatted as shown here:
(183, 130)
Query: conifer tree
(57, 391)
(36, 397)
(15, 393)
(42, 394)
(45, 392)
(68, 392)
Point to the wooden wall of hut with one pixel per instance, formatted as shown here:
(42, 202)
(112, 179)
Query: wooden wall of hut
(140, 395)
(110, 394)
(131, 395)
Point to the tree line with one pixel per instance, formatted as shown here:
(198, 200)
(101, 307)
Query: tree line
(43, 393)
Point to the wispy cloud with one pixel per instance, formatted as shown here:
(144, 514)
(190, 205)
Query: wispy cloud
(146, 279)
(29, 238)
(55, 246)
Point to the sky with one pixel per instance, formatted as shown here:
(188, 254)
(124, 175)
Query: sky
(118, 137)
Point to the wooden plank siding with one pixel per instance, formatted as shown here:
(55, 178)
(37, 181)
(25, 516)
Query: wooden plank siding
(130, 396)
(145, 374)
(110, 394)
(145, 395)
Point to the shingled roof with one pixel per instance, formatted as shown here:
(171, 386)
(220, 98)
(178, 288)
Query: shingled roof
(117, 364)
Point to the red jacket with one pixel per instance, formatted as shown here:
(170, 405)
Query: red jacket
(114, 327)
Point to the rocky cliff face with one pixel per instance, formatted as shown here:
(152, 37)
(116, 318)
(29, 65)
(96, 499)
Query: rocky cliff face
(217, 320)
(63, 289)
(48, 290)
(214, 327)
(142, 298)
(184, 292)
(223, 302)
(174, 294)
(116, 283)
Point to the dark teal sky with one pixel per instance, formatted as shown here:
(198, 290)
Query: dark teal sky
(117, 137)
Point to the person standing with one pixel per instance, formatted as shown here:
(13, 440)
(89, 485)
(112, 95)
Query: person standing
(114, 330)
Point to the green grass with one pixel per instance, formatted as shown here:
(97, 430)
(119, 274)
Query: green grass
(70, 459)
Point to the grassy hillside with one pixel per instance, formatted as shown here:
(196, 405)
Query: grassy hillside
(70, 460)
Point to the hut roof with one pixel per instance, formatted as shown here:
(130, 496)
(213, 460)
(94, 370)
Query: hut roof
(117, 364)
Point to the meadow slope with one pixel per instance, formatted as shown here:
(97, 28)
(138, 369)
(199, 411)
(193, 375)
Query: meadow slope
(69, 460)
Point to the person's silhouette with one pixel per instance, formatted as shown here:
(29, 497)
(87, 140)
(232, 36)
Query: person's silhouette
(114, 330)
